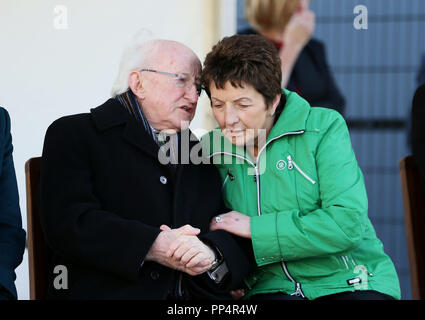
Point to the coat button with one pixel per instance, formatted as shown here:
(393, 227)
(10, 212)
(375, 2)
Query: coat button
(155, 275)
(163, 180)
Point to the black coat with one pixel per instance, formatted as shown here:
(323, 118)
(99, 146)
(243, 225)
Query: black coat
(103, 198)
(12, 236)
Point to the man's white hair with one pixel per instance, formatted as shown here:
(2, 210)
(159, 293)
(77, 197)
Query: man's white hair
(133, 58)
(141, 54)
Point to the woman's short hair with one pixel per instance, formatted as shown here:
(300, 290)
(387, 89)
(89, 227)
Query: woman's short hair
(244, 59)
(270, 14)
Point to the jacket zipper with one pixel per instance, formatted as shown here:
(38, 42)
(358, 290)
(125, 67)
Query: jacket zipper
(291, 164)
(257, 175)
(298, 291)
(224, 183)
(256, 178)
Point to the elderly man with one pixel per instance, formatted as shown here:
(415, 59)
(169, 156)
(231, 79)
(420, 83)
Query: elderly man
(120, 223)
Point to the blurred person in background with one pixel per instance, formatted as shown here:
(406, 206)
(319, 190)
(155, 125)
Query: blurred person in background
(12, 236)
(290, 24)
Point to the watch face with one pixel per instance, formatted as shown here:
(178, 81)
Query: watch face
(219, 272)
(214, 264)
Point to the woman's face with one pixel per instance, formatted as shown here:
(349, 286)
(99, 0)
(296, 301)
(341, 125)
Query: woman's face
(242, 113)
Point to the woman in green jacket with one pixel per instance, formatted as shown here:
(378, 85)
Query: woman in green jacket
(290, 175)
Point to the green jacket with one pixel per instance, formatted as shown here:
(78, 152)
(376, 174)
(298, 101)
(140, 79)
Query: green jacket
(306, 197)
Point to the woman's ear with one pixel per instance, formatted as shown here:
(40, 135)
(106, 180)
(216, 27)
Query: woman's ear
(136, 85)
(275, 104)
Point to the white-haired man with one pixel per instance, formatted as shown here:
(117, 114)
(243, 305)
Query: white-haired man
(125, 225)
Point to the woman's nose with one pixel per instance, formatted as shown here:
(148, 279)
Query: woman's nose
(231, 116)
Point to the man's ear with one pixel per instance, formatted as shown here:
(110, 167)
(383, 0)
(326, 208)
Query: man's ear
(136, 84)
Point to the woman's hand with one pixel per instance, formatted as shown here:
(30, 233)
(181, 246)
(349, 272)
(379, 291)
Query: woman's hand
(299, 29)
(233, 222)
(296, 35)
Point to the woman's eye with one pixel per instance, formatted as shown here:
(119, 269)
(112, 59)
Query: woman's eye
(217, 105)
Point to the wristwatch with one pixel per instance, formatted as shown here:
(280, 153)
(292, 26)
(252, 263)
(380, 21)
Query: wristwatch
(219, 273)
(218, 269)
(215, 264)
(218, 259)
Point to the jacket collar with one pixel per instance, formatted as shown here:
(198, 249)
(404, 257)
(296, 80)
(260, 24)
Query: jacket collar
(293, 117)
(112, 113)
(109, 114)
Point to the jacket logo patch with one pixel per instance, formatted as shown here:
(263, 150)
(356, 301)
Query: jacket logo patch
(280, 165)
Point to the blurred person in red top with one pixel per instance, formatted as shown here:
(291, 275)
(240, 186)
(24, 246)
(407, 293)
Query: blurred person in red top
(290, 24)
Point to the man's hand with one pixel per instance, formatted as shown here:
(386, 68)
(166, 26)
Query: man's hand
(159, 249)
(192, 250)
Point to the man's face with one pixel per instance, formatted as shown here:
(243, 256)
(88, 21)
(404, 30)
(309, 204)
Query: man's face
(169, 103)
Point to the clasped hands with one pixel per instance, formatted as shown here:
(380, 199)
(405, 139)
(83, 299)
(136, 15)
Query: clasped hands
(181, 249)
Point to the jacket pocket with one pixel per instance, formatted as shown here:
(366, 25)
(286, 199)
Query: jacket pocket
(306, 185)
(292, 165)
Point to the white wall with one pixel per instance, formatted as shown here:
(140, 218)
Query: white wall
(46, 72)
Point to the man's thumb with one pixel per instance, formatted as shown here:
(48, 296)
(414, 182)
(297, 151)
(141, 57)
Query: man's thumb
(189, 230)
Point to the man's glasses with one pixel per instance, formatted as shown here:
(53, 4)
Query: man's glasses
(182, 80)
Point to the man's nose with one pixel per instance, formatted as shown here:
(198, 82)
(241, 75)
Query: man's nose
(191, 93)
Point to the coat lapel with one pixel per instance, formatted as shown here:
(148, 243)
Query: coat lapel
(135, 135)
(112, 114)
